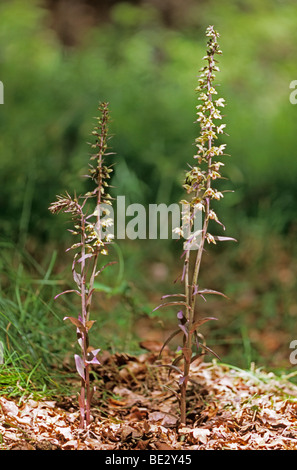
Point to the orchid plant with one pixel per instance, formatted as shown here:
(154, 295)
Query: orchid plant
(199, 183)
(89, 214)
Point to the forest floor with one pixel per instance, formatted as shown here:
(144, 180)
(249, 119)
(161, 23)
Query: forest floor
(133, 409)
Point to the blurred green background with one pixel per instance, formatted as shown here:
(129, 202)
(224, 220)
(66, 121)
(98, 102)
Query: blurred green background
(58, 59)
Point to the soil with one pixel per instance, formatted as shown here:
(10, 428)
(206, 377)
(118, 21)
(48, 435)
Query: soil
(135, 407)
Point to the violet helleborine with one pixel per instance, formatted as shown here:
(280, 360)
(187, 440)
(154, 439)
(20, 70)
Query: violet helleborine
(90, 221)
(199, 184)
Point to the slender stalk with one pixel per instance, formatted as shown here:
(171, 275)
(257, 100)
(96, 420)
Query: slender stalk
(82, 404)
(198, 182)
(83, 319)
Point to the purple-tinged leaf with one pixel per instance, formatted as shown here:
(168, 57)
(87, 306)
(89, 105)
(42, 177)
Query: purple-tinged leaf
(183, 273)
(82, 258)
(80, 367)
(197, 342)
(184, 329)
(209, 291)
(197, 356)
(172, 391)
(169, 304)
(182, 379)
(198, 323)
(105, 266)
(172, 295)
(225, 239)
(175, 362)
(203, 297)
(74, 261)
(210, 351)
(73, 247)
(177, 359)
(77, 278)
(184, 253)
(178, 277)
(171, 366)
(176, 332)
(67, 292)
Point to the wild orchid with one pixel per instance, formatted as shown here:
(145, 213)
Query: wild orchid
(89, 214)
(200, 185)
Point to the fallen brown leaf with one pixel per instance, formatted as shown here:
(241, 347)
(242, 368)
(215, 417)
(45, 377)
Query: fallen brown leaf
(229, 409)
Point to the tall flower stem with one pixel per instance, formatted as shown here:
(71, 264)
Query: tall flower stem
(199, 183)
